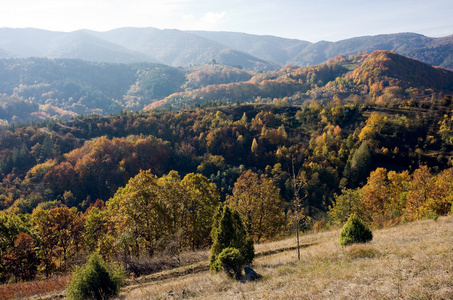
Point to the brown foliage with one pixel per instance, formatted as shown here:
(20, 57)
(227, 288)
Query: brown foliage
(33, 288)
(22, 260)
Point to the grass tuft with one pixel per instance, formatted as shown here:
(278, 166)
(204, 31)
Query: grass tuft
(362, 251)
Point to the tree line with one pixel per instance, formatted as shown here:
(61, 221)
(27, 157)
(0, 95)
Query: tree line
(148, 215)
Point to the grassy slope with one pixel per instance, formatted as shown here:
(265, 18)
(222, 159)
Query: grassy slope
(410, 261)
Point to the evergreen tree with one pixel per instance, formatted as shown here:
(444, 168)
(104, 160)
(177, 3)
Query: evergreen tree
(229, 232)
(358, 166)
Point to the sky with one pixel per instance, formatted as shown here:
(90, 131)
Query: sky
(310, 20)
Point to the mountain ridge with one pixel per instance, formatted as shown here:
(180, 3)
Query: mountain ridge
(183, 48)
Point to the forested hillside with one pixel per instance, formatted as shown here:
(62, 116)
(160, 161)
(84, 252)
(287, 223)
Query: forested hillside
(380, 76)
(370, 134)
(39, 88)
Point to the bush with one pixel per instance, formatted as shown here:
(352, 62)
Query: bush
(232, 262)
(96, 280)
(354, 231)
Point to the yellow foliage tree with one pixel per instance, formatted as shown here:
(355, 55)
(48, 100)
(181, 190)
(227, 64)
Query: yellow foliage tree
(259, 204)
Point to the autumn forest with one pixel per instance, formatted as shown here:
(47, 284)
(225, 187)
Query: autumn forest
(370, 134)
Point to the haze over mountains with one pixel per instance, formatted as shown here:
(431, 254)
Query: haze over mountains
(182, 48)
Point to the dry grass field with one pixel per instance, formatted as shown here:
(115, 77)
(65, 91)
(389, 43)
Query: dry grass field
(409, 261)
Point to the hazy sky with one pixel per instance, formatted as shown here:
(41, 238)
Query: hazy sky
(311, 20)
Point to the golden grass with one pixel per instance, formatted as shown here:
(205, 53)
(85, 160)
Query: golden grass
(409, 261)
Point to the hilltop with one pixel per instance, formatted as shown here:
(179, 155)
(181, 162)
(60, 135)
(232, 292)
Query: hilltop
(395, 70)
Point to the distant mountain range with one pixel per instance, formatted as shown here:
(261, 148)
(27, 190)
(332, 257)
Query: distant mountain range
(183, 48)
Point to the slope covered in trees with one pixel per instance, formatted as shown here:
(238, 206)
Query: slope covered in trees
(390, 69)
(83, 87)
(38, 88)
(137, 184)
(88, 158)
(381, 73)
(84, 177)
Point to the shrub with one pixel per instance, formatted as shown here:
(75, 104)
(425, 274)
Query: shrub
(232, 262)
(432, 215)
(354, 231)
(96, 280)
(319, 226)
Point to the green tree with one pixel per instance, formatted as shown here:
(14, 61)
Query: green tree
(232, 262)
(97, 223)
(174, 197)
(357, 168)
(138, 211)
(201, 204)
(149, 212)
(228, 232)
(346, 204)
(96, 280)
(355, 231)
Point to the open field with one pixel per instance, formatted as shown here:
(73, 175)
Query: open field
(409, 261)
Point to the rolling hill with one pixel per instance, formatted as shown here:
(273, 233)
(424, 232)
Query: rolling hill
(278, 50)
(47, 88)
(83, 87)
(367, 133)
(179, 48)
(401, 71)
(371, 74)
(434, 51)
(184, 48)
(30, 42)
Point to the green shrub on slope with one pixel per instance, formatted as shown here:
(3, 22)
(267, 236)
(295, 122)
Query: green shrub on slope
(354, 231)
(95, 280)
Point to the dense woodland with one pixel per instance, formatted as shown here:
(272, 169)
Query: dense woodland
(358, 135)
